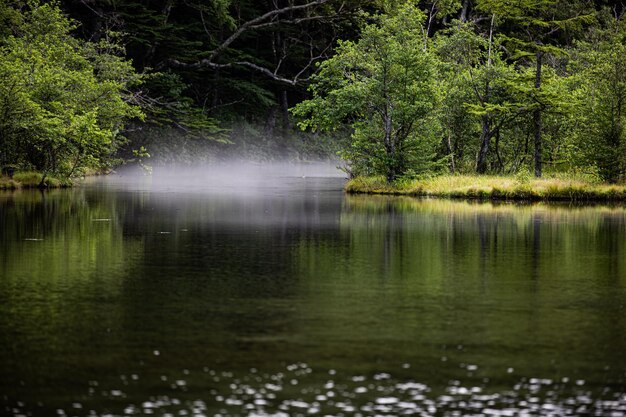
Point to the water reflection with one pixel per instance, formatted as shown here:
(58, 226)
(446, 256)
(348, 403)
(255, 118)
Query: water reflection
(300, 390)
(113, 297)
(503, 285)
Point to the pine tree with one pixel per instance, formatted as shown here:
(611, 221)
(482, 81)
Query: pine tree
(536, 29)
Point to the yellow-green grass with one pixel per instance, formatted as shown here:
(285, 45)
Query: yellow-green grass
(30, 179)
(492, 188)
(7, 183)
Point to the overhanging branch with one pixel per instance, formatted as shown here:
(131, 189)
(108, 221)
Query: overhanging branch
(206, 63)
(251, 24)
(268, 19)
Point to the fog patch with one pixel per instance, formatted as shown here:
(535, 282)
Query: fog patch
(228, 176)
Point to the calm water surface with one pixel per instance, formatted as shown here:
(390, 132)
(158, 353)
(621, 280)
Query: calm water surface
(286, 297)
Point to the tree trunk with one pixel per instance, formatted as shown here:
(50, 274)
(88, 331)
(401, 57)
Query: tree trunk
(450, 149)
(391, 150)
(151, 52)
(499, 165)
(2, 150)
(620, 130)
(284, 102)
(431, 18)
(537, 119)
(42, 183)
(485, 138)
(463, 17)
(270, 123)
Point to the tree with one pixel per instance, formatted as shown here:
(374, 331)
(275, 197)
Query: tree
(440, 9)
(599, 78)
(383, 86)
(63, 102)
(534, 25)
(237, 62)
(479, 83)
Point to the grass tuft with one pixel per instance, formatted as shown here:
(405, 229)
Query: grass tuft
(558, 188)
(31, 179)
(7, 183)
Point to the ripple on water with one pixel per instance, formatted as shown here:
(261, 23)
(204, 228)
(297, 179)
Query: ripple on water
(300, 390)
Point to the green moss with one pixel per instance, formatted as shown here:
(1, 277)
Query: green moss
(494, 188)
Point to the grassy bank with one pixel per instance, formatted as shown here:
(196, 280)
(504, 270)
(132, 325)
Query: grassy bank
(31, 180)
(492, 188)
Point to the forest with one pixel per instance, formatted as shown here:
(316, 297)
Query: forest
(398, 89)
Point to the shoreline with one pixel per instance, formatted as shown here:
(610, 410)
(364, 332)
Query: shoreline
(492, 188)
(31, 181)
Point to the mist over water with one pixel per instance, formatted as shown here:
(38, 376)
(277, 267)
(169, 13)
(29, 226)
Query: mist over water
(232, 177)
(245, 289)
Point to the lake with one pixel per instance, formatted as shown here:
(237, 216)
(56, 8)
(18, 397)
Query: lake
(272, 293)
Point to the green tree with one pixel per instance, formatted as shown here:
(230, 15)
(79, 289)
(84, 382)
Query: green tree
(599, 77)
(479, 87)
(383, 86)
(440, 9)
(222, 65)
(63, 101)
(532, 35)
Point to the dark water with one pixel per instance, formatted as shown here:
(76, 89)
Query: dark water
(289, 298)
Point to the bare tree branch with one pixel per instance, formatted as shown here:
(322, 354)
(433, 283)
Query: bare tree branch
(269, 19)
(250, 24)
(288, 22)
(258, 23)
(205, 63)
(312, 60)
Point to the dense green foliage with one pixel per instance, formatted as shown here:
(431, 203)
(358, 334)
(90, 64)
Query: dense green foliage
(486, 86)
(383, 85)
(222, 73)
(63, 101)
(521, 86)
